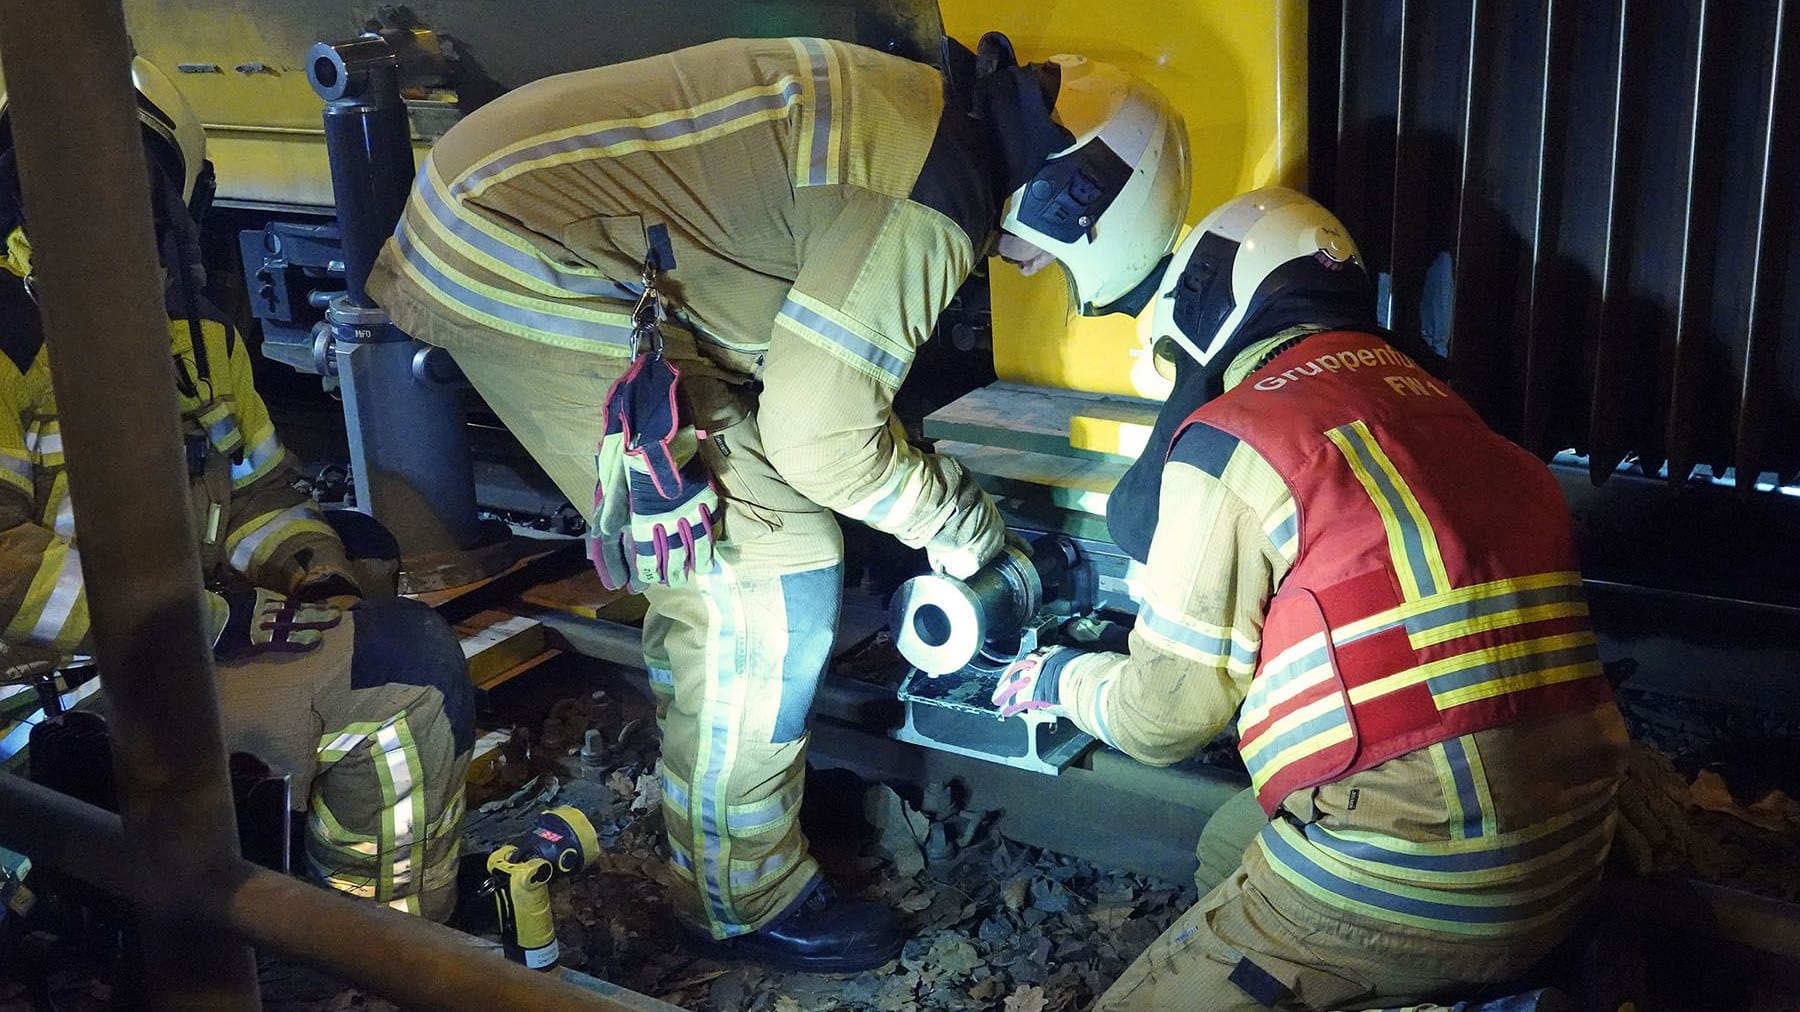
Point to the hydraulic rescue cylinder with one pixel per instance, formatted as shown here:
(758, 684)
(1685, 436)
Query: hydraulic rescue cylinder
(409, 450)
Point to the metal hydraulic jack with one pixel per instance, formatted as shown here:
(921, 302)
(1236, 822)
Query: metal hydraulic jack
(960, 636)
(409, 450)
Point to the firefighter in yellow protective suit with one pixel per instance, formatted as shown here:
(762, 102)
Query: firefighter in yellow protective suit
(367, 704)
(1383, 592)
(811, 206)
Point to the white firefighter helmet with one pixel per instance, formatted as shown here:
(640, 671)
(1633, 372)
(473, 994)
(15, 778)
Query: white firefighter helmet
(1110, 205)
(1251, 250)
(179, 142)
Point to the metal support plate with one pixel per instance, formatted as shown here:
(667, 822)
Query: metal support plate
(953, 712)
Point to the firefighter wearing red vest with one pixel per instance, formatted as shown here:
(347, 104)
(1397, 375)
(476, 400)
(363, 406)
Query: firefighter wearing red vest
(1383, 592)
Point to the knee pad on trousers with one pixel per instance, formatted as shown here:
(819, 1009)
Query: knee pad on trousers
(404, 642)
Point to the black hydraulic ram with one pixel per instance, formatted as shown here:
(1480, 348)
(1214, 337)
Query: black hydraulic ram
(402, 407)
(941, 624)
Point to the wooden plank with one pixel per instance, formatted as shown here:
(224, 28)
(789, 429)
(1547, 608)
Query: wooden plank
(439, 598)
(1041, 478)
(518, 669)
(1041, 420)
(581, 593)
(485, 758)
(495, 642)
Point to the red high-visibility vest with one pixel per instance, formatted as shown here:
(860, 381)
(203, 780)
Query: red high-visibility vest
(1435, 590)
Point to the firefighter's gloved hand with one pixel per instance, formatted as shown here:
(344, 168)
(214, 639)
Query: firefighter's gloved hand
(1030, 684)
(973, 535)
(673, 506)
(259, 621)
(1653, 830)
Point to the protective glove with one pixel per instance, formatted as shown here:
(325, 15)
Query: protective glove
(258, 621)
(1654, 834)
(674, 507)
(1031, 684)
(609, 534)
(972, 536)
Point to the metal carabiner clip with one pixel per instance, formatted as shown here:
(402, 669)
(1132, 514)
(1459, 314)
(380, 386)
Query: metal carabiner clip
(647, 313)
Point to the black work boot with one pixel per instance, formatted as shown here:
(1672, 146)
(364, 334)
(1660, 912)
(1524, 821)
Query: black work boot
(822, 934)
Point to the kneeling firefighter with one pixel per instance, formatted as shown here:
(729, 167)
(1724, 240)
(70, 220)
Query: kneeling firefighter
(1384, 593)
(366, 704)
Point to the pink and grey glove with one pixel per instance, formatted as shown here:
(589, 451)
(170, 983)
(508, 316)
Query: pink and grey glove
(672, 507)
(609, 528)
(1030, 684)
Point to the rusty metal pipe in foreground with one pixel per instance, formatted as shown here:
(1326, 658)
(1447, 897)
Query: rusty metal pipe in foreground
(401, 957)
(87, 198)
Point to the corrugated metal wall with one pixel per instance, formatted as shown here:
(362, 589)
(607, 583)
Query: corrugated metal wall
(1589, 206)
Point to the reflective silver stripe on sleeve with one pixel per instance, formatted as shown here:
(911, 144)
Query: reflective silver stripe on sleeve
(246, 549)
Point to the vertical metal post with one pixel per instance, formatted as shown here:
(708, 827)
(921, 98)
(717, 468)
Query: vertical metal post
(82, 169)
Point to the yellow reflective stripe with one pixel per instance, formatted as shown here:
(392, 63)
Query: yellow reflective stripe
(392, 794)
(405, 904)
(812, 133)
(660, 131)
(43, 441)
(835, 136)
(1484, 795)
(845, 338)
(1277, 683)
(410, 822)
(428, 177)
(335, 745)
(1411, 543)
(1534, 679)
(262, 452)
(759, 816)
(333, 833)
(251, 545)
(1440, 764)
(751, 875)
(1331, 737)
(1335, 883)
(1213, 645)
(54, 611)
(17, 470)
(1251, 748)
(1498, 875)
(680, 857)
(1434, 557)
(584, 328)
(59, 509)
(1463, 661)
(1436, 910)
(1461, 595)
(1282, 526)
(897, 496)
(1498, 620)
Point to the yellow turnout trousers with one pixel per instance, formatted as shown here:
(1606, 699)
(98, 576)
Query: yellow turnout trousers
(734, 656)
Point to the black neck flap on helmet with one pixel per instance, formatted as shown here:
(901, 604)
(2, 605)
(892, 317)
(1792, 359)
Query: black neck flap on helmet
(1011, 100)
(1304, 292)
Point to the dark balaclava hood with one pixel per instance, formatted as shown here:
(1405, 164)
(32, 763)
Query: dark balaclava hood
(1131, 512)
(1012, 105)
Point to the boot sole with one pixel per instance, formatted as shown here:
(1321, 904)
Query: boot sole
(803, 964)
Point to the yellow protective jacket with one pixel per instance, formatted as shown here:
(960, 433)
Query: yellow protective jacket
(254, 522)
(822, 209)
